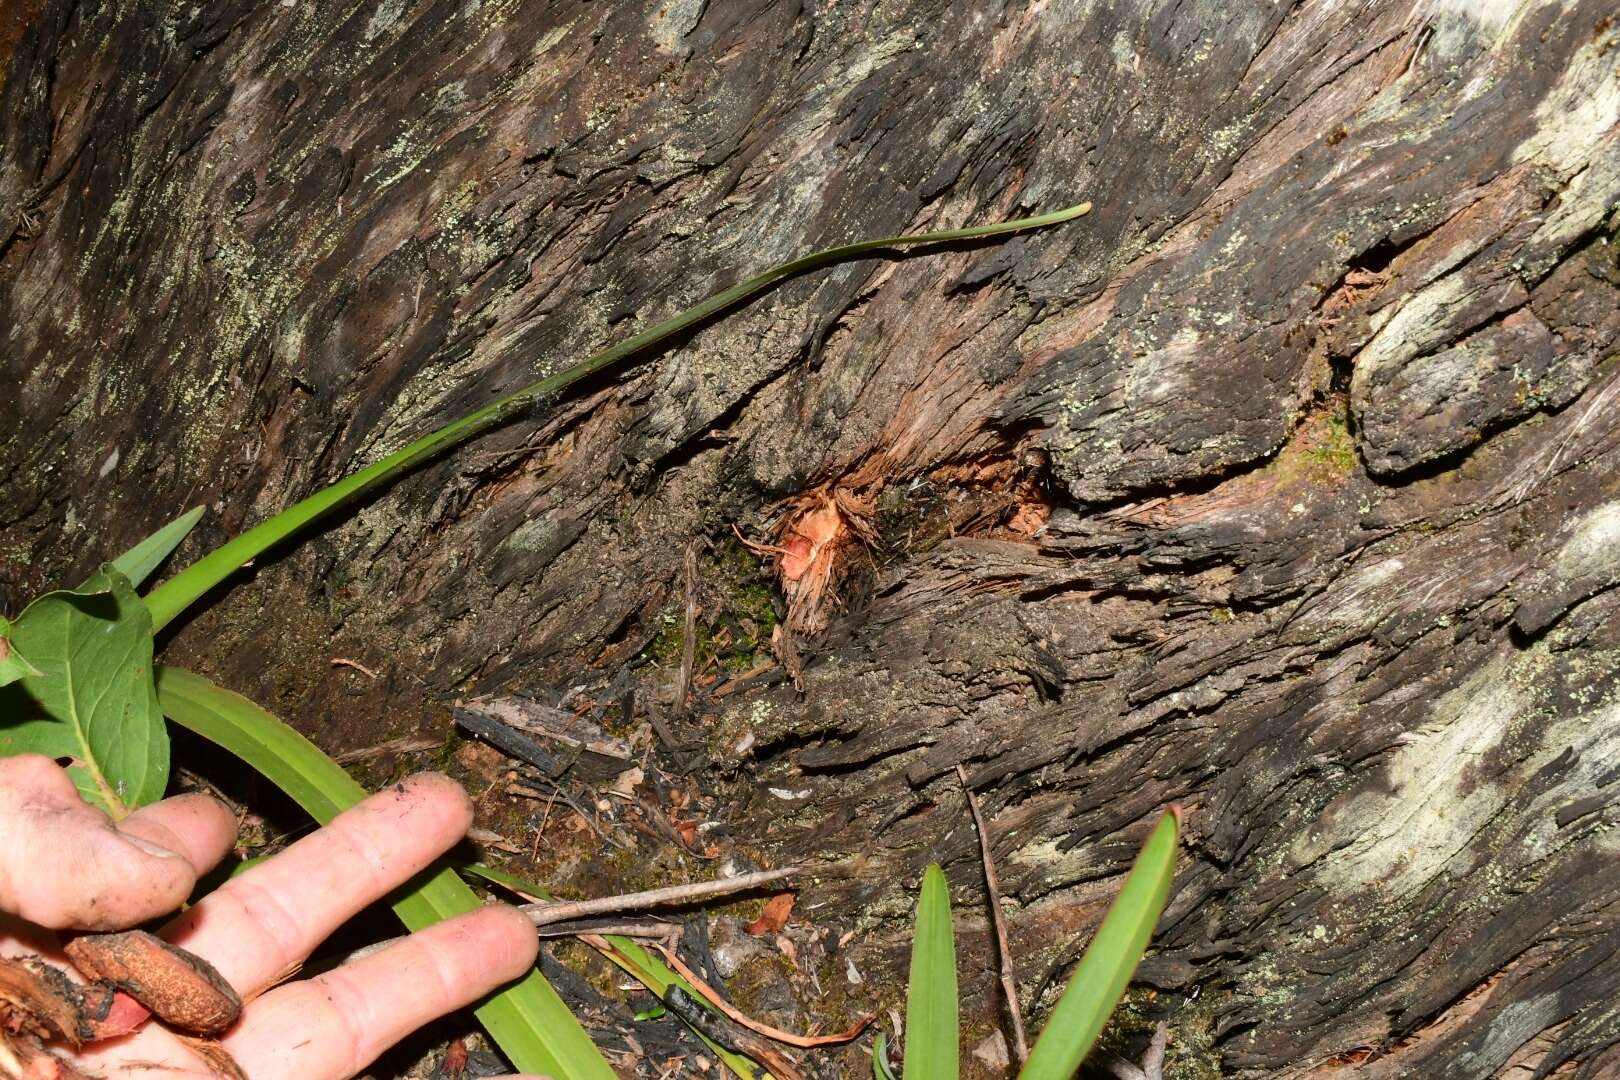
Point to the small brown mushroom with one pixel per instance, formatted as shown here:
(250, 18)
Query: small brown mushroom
(183, 990)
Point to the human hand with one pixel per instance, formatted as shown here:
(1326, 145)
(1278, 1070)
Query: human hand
(65, 865)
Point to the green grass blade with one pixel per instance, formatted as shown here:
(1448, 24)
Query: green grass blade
(931, 1024)
(636, 962)
(1105, 969)
(139, 561)
(173, 596)
(527, 1020)
(880, 1058)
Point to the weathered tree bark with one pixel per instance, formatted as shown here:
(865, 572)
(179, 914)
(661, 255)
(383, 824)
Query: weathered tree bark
(1286, 485)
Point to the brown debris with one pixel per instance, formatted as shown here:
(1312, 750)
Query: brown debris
(183, 990)
(216, 1057)
(775, 916)
(40, 1004)
(553, 740)
(37, 999)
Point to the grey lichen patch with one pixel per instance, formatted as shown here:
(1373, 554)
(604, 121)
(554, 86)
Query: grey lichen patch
(672, 20)
(1417, 821)
(1593, 550)
(1429, 810)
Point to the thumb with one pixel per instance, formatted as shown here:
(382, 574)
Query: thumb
(63, 865)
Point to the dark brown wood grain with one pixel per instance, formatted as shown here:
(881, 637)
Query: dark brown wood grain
(1283, 486)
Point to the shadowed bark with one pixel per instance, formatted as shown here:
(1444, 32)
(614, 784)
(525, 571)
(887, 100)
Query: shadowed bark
(1283, 486)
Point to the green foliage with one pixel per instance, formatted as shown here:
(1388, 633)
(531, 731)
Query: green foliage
(931, 1022)
(139, 561)
(880, 1058)
(13, 664)
(1105, 969)
(92, 699)
(1093, 990)
(529, 1022)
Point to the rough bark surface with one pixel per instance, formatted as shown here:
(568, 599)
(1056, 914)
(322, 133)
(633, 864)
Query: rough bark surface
(1285, 486)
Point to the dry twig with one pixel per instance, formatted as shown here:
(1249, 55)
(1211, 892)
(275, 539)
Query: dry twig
(408, 744)
(344, 661)
(546, 913)
(1009, 985)
(683, 687)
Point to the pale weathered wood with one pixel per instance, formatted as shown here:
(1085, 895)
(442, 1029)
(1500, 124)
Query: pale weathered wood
(1284, 486)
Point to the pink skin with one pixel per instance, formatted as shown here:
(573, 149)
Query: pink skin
(65, 865)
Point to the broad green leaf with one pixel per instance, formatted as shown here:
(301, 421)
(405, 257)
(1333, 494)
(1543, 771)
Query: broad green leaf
(13, 664)
(176, 594)
(527, 1020)
(635, 961)
(93, 701)
(139, 561)
(1105, 969)
(880, 1058)
(931, 1031)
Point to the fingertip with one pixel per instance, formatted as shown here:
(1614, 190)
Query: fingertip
(443, 792)
(196, 827)
(508, 937)
(34, 777)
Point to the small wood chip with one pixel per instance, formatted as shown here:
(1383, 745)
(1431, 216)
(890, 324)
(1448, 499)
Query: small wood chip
(775, 916)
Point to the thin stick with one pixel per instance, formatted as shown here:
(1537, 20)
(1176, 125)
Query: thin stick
(801, 1041)
(1009, 985)
(688, 633)
(408, 744)
(546, 913)
(598, 927)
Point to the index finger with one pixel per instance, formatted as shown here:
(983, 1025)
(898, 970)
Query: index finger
(255, 927)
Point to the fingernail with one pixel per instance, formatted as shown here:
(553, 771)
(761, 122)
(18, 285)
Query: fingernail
(152, 849)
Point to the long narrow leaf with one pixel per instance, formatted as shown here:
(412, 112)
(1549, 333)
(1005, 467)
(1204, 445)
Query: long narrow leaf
(176, 594)
(635, 961)
(931, 1031)
(139, 561)
(1105, 969)
(880, 1058)
(527, 1020)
